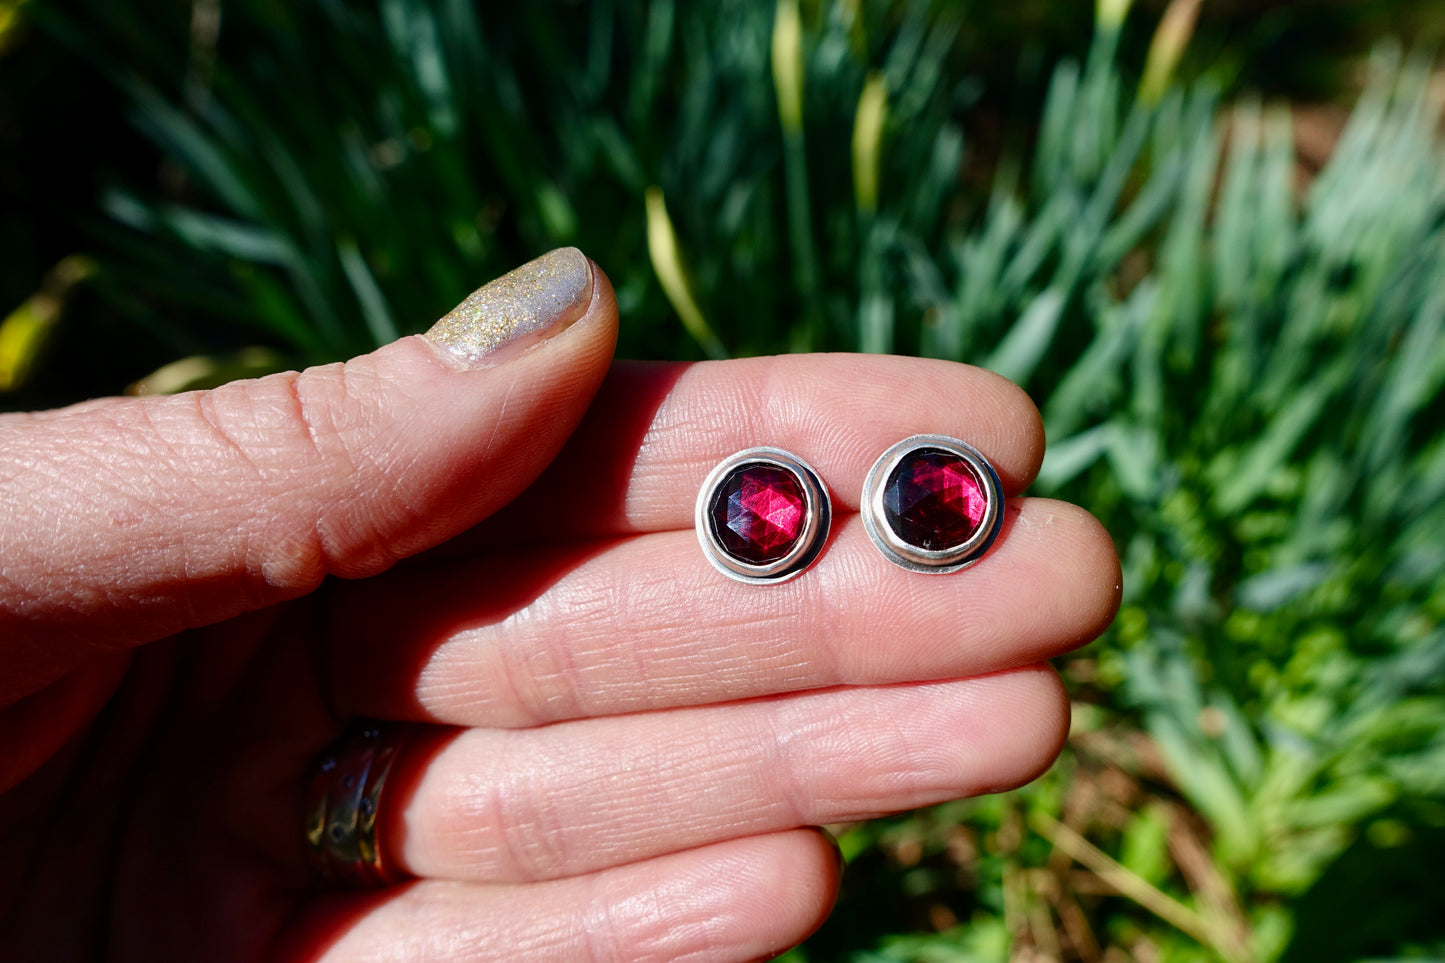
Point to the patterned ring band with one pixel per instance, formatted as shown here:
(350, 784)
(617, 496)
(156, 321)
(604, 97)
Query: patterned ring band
(344, 835)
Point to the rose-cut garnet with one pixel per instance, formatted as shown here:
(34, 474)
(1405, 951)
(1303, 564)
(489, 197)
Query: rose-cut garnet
(934, 499)
(759, 512)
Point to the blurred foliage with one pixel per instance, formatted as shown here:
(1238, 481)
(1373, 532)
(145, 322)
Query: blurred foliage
(1235, 338)
(323, 163)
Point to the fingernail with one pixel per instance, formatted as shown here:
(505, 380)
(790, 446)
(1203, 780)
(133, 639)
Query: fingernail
(536, 301)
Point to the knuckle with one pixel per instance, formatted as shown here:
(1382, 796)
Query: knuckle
(522, 832)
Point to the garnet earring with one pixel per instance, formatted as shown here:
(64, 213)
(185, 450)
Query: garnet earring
(932, 504)
(763, 515)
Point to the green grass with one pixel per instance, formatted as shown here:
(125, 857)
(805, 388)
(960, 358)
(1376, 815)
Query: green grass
(1239, 366)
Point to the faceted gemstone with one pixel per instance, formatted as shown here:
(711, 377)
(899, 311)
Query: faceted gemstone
(758, 512)
(934, 499)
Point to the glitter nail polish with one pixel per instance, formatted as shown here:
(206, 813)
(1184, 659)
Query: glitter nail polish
(534, 302)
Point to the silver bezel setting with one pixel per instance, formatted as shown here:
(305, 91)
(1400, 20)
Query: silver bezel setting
(817, 508)
(915, 558)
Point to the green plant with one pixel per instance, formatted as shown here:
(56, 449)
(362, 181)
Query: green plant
(1240, 379)
(375, 165)
(1239, 372)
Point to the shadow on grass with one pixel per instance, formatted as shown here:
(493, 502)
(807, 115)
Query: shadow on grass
(881, 898)
(1372, 901)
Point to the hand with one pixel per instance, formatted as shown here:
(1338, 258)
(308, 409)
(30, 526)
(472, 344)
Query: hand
(619, 750)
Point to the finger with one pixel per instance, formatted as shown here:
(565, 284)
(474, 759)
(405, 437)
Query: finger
(130, 520)
(741, 900)
(839, 412)
(646, 623)
(510, 806)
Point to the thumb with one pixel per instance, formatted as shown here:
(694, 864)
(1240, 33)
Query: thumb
(126, 521)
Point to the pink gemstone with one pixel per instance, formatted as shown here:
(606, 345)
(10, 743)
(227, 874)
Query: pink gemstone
(758, 513)
(934, 499)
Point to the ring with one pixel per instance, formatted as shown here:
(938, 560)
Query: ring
(343, 806)
(932, 504)
(763, 515)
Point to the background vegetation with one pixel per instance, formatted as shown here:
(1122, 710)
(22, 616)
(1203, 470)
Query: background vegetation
(1225, 292)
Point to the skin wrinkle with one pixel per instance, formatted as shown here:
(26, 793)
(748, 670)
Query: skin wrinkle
(158, 457)
(648, 921)
(505, 406)
(515, 663)
(743, 645)
(288, 559)
(635, 498)
(352, 548)
(729, 408)
(182, 463)
(336, 553)
(833, 739)
(924, 768)
(204, 406)
(769, 763)
(538, 844)
(585, 604)
(519, 861)
(563, 698)
(601, 922)
(252, 596)
(709, 931)
(371, 452)
(780, 759)
(301, 408)
(764, 420)
(558, 692)
(769, 766)
(824, 665)
(975, 631)
(150, 453)
(602, 604)
(623, 606)
(684, 932)
(30, 592)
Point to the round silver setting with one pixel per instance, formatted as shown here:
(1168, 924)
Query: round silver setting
(817, 517)
(916, 558)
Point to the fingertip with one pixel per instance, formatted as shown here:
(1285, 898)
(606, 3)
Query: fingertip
(1035, 693)
(814, 875)
(829, 878)
(1055, 720)
(1078, 551)
(1108, 575)
(596, 330)
(1030, 441)
(781, 889)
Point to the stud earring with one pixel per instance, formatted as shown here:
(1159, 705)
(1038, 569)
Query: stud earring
(763, 515)
(932, 504)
